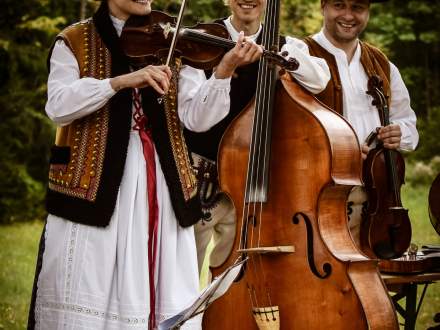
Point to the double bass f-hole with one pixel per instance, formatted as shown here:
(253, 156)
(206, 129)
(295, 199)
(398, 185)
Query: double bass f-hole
(386, 232)
(326, 267)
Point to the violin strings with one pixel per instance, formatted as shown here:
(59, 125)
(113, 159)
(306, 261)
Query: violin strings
(207, 38)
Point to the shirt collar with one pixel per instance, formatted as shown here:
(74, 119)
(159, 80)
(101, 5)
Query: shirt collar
(118, 24)
(335, 51)
(234, 33)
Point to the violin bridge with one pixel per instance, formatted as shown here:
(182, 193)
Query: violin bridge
(166, 29)
(267, 318)
(269, 249)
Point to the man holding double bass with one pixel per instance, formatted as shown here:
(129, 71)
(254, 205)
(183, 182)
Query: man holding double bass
(219, 214)
(351, 63)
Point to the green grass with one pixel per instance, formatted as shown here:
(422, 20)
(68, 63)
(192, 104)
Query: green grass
(18, 252)
(415, 199)
(19, 243)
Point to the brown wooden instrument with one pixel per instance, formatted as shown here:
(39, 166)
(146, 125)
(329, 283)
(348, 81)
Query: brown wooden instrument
(386, 231)
(434, 204)
(289, 185)
(147, 40)
(419, 263)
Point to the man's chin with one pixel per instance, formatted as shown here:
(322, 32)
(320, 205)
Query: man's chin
(145, 11)
(247, 19)
(347, 37)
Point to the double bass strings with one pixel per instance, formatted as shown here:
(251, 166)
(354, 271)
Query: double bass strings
(260, 144)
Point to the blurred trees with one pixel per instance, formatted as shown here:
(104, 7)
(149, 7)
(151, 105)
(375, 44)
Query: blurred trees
(408, 34)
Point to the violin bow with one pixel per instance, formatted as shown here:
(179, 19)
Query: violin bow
(177, 28)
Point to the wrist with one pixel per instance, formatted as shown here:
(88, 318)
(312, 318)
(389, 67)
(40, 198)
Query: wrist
(224, 71)
(118, 83)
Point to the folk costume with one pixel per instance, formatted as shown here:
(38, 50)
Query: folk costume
(346, 94)
(118, 249)
(218, 220)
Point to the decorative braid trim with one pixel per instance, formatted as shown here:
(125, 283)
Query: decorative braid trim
(185, 170)
(81, 177)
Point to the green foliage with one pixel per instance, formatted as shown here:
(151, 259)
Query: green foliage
(27, 29)
(300, 18)
(429, 129)
(195, 11)
(408, 33)
(410, 36)
(419, 173)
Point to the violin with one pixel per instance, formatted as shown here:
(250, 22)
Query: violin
(413, 261)
(147, 40)
(434, 204)
(386, 231)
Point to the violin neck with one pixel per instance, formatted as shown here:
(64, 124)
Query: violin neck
(207, 39)
(389, 159)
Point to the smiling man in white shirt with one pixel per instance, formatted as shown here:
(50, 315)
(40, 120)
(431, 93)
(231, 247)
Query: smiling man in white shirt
(351, 63)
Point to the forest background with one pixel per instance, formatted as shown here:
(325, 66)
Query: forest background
(407, 31)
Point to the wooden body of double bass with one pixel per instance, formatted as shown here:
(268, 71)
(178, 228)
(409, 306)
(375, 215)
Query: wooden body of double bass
(315, 161)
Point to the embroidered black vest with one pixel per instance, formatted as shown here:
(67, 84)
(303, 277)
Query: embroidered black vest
(89, 155)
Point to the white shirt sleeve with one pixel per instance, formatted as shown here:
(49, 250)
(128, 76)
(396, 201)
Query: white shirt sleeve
(401, 112)
(202, 103)
(313, 72)
(70, 97)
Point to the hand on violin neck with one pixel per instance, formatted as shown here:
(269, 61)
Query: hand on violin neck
(390, 136)
(245, 51)
(158, 77)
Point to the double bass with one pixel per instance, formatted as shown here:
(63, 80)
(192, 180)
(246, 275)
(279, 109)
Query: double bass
(288, 163)
(386, 229)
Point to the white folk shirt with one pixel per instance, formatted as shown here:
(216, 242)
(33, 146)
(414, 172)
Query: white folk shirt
(98, 278)
(86, 95)
(313, 72)
(357, 104)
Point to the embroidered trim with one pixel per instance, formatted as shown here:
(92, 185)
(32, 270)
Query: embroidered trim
(81, 177)
(70, 254)
(186, 172)
(92, 312)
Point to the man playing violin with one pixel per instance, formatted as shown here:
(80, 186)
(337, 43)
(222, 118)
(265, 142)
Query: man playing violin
(219, 214)
(351, 61)
(118, 249)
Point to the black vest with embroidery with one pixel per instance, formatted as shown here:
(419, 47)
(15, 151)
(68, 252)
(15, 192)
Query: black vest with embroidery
(243, 87)
(89, 155)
